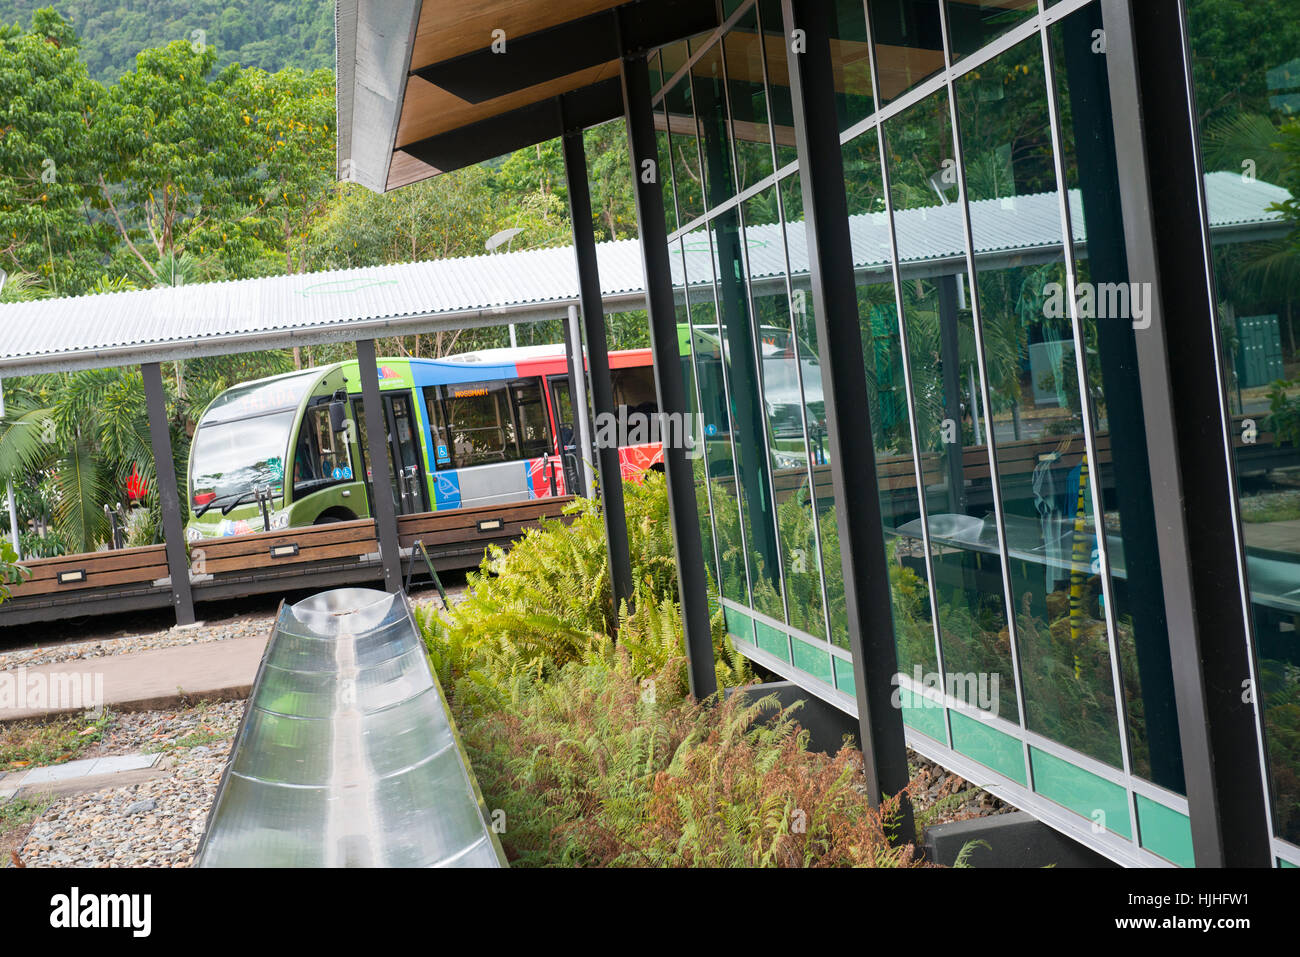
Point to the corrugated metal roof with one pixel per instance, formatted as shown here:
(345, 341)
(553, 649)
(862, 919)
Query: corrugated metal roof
(344, 305)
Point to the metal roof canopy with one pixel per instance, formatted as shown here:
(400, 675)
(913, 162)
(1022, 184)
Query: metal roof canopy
(155, 325)
(426, 88)
(278, 312)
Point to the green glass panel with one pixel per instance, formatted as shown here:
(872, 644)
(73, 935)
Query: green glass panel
(1081, 791)
(1288, 864)
(1165, 832)
(815, 661)
(989, 746)
(739, 626)
(771, 641)
(844, 676)
(921, 715)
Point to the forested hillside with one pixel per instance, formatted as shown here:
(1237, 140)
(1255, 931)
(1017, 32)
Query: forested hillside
(270, 34)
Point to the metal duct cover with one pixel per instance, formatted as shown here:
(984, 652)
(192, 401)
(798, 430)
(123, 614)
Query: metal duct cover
(347, 755)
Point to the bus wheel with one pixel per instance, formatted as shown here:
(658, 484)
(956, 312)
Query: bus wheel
(330, 517)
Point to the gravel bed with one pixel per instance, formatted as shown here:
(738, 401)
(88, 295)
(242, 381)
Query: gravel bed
(251, 627)
(156, 823)
(935, 795)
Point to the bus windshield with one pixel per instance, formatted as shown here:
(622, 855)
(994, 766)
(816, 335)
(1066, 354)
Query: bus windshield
(235, 457)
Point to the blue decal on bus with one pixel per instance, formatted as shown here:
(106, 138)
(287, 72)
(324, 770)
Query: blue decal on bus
(447, 491)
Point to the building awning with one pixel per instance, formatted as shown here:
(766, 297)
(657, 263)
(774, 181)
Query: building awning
(425, 88)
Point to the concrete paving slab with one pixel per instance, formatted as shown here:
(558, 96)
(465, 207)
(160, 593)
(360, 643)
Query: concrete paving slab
(117, 763)
(7, 793)
(148, 680)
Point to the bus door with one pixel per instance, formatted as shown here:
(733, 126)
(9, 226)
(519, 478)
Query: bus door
(406, 479)
(566, 430)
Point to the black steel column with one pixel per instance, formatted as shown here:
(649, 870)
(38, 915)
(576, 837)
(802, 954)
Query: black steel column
(169, 499)
(381, 498)
(610, 472)
(848, 416)
(692, 582)
(1182, 384)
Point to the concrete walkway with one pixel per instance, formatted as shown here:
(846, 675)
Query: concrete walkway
(144, 681)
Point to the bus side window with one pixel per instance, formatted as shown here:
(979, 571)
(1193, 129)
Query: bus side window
(534, 430)
(479, 424)
(635, 388)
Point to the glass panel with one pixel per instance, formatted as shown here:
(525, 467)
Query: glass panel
(1123, 471)
(665, 151)
(806, 343)
(715, 128)
(778, 80)
(1247, 78)
(1102, 801)
(321, 458)
(851, 63)
(887, 394)
(744, 392)
(534, 427)
(1044, 474)
(231, 459)
(704, 343)
(785, 368)
(750, 126)
(909, 44)
(688, 180)
(695, 452)
(951, 422)
(479, 424)
(973, 23)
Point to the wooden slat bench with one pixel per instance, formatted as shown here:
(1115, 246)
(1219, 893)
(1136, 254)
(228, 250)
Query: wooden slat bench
(466, 526)
(125, 567)
(335, 541)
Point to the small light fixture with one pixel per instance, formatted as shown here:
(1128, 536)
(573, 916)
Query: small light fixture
(284, 551)
(490, 525)
(72, 577)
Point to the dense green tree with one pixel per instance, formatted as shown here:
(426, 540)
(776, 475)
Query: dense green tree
(45, 158)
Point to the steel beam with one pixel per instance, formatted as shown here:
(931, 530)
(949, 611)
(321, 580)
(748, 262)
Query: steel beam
(1199, 540)
(169, 499)
(848, 416)
(377, 452)
(610, 472)
(670, 388)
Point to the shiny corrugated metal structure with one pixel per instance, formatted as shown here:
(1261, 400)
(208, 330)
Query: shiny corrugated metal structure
(347, 755)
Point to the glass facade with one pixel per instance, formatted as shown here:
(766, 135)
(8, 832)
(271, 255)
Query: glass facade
(998, 327)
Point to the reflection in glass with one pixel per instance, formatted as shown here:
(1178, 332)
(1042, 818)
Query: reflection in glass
(687, 177)
(951, 423)
(974, 23)
(778, 80)
(1111, 355)
(750, 127)
(908, 35)
(744, 392)
(1045, 477)
(787, 368)
(715, 127)
(887, 394)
